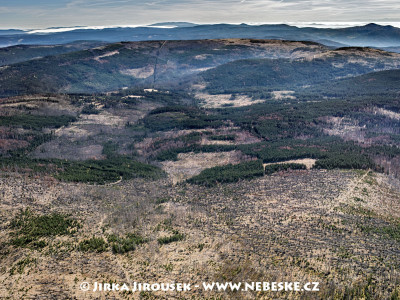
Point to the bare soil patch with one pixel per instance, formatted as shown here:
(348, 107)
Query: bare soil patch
(308, 162)
(224, 100)
(139, 72)
(191, 164)
(282, 95)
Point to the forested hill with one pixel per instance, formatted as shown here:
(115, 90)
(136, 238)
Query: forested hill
(20, 53)
(255, 74)
(121, 65)
(223, 65)
(375, 83)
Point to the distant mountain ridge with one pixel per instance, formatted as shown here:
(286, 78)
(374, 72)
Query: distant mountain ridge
(372, 35)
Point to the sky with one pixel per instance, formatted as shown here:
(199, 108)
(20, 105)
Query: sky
(37, 14)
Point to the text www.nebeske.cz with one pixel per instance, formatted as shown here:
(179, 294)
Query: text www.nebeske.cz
(206, 286)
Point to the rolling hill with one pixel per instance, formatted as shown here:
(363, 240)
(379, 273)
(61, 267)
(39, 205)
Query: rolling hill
(121, 65)
(255, 74)
(374, 83)
(223, 65)
(152, 184)
(20, 53)
(368, 35)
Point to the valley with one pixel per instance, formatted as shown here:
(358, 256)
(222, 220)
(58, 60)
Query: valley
(204, 160)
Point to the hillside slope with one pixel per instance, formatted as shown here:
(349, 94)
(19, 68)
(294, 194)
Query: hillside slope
(20, 53)
(175, 63)
(142, 63)
(256, 74)
(374, 83)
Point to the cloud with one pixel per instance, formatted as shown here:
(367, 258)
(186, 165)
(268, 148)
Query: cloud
(47, 13)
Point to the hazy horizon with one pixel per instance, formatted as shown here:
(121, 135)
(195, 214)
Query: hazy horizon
(54, 29)
(23, 14)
